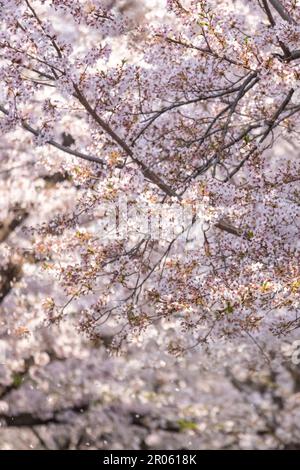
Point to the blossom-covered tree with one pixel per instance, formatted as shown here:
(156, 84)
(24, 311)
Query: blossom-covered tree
(141, 195)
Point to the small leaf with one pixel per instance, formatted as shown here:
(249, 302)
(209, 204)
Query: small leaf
(17, 380)
(229, 309)
(250, 234)
(186, 425)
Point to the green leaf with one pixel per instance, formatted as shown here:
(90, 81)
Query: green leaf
(250, 234)
(17, 380)
(229, 308)
(186, 425)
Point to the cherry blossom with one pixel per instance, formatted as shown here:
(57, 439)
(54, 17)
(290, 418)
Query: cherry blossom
(150, 202)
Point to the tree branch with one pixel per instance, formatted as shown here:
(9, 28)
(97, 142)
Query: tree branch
(151, 175)
(282, 11)
(31, 419)
(55, 144)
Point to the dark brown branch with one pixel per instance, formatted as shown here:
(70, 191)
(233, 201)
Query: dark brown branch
(206, 51)
(55, 144)
(277, 5)
(16, 216)
(53, 42)
(31, 419)
(149, 174)
(281, 108)
(284, 48)
(8, 276)
(272, 123)
(268, 12)
(225, 225)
